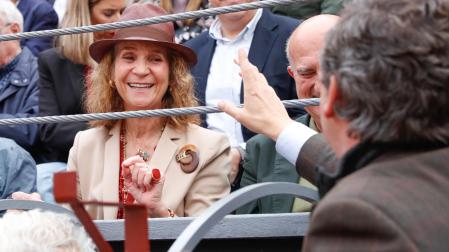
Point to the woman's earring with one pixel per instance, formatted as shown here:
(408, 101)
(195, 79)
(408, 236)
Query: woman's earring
(111, 83)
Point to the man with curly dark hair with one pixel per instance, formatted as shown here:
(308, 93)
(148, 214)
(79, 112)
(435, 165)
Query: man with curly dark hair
(384, 112)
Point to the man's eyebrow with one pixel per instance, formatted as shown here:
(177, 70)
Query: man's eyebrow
(302, 69)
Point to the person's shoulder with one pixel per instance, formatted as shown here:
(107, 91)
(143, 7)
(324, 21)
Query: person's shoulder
(284, 22)
(206, 137)
(40, 8)
(392, 176)
(26, 68)
(194, 129)
(50, 54)
(198, 41)
(27, 58)
(92, 136)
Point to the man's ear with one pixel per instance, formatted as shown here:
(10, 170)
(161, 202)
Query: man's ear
(333, 94)
(15, 28)
(290, 72)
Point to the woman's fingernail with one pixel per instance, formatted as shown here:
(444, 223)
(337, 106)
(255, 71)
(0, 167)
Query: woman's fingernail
(156, 174)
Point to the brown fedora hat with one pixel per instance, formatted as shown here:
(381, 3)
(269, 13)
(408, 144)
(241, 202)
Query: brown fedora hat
(162, 34)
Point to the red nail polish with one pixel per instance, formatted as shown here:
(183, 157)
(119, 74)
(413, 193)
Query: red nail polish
(156, 174)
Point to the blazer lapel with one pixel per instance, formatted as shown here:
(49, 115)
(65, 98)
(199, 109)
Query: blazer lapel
(165, 150)
(202, 72)
(111, 171)
(263, 40)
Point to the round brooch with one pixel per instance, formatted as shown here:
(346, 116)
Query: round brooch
(188, 158)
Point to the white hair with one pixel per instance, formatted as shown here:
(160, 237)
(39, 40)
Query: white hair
(10, 14)
(36, 230)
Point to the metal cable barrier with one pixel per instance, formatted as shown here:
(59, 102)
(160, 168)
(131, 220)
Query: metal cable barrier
(141, 113)
(149, 21)
(194, 232)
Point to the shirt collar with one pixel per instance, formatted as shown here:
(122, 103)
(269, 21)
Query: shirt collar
(6, 70)
(215, 28)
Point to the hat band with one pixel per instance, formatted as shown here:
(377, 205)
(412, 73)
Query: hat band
(142, 32)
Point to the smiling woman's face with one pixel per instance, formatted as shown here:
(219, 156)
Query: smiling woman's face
(141, 74)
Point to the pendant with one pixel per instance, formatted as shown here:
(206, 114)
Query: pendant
(143, 154)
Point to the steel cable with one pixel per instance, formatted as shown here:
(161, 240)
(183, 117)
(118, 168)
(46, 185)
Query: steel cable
(148, 21)
(141, 113)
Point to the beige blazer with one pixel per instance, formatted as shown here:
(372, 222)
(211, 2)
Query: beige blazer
(95, 158)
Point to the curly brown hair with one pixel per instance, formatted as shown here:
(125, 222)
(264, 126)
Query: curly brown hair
(103, 97)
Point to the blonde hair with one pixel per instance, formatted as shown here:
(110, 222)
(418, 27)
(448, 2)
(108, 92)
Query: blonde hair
(192, 5)
(76, 47)
(103, 97)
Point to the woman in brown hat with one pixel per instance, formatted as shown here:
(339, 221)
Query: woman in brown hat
(169, 164)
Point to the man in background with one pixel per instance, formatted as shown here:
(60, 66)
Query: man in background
(383, 109)
(264, 35)
(18, 98)
(262, 162)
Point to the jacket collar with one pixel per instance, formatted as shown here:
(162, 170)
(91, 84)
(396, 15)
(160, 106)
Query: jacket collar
(263, 40)
(216, 34)
(366, 153)
(19, 76)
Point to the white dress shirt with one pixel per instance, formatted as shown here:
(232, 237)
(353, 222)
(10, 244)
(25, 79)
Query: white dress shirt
(291, 140)
(224, 81)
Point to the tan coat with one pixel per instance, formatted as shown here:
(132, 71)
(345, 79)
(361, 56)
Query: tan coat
(95, 156)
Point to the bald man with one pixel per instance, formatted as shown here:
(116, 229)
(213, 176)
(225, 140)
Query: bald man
(262, 162)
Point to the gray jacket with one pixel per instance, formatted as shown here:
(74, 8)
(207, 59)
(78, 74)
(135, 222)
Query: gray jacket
(17, 169)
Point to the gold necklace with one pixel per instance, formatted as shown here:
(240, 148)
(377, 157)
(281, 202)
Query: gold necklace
(145, 155)
(122, 158)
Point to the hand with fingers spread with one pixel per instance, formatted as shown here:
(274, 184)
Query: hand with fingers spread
(144, 184)
(263, 111)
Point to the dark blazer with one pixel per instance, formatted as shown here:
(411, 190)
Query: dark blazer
(20, 98)
(61, 92)
(267, 52)
(37, 15)
(398, 202)
(263, 164)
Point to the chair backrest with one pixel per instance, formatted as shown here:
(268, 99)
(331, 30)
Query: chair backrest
(9, 204)
(194, 232)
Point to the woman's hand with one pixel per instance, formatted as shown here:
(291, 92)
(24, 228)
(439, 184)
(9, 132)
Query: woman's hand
(26, 196)
(145, 185)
